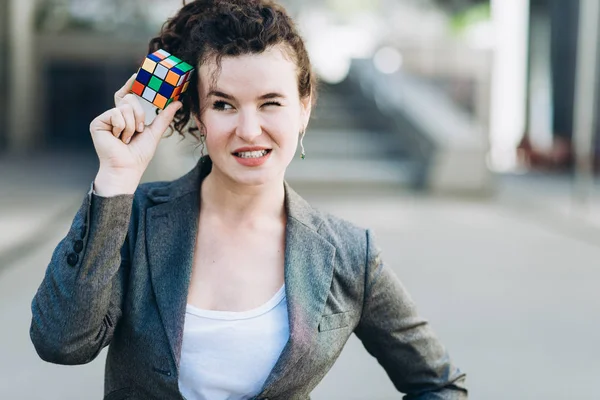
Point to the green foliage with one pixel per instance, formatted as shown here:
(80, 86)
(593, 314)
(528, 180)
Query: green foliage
(473, 15)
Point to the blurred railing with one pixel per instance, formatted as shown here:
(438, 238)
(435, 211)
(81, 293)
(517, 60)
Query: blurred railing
(462, 72)
(450, 144)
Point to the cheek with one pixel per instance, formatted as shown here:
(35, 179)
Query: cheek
(218, 124)
(279, 124)
(286, 122)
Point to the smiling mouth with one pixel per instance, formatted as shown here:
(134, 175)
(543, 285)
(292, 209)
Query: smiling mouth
(252, 154)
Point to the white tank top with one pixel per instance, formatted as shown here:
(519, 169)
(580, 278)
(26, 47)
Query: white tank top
(228, 355)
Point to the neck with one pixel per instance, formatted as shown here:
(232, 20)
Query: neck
(235, 203)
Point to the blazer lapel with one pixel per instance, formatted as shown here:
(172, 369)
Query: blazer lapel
(171, 230)
(170, 239)
(309, 262)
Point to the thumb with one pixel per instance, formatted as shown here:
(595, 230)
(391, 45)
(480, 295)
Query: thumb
(164, 119)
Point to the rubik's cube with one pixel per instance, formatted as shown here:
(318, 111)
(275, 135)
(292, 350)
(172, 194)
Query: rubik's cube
(162, 78)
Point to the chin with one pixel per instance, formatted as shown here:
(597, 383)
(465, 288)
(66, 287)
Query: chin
(263, 175)
(272, 170)
(253, 179)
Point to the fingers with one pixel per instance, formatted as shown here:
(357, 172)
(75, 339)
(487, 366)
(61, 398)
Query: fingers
(117, 122)
(138, 111)
(164, 119)
(127, 113)
(121, 121)
(139, 116)
(103, 122)
(121, 93)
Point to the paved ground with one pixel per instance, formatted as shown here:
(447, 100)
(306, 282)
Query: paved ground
(510, 288)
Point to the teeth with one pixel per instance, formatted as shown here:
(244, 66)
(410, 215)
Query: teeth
(252, 154)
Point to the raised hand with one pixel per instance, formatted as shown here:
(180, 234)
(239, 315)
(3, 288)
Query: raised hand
(124, 144)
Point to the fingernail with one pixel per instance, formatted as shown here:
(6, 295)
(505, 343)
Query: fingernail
(141, 127)
(128, 140)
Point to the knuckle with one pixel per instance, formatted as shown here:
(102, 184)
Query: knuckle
(119, 125)
(125, 107)
(135, 103)
(131, 100)
(129, 128)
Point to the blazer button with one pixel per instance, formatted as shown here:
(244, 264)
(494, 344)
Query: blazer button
(78, 246)
(72, 259)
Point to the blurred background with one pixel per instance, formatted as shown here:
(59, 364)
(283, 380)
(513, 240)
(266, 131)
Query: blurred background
(463, 132)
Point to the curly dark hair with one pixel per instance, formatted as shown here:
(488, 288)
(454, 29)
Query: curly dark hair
(206, 30)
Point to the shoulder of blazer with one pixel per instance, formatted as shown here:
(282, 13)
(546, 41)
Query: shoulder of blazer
(329, 226)
(335, 228)
(349, 240)
(347, 237)
(152, 193)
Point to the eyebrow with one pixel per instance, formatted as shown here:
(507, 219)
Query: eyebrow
(272, 95)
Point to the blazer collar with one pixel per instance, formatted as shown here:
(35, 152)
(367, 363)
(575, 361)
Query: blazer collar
(297, 208)
(171, 230)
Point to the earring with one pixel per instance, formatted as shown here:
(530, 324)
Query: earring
(302, 154)
(202, 145)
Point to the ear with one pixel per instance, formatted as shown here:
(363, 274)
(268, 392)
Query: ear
(198, 124)
(305, 110)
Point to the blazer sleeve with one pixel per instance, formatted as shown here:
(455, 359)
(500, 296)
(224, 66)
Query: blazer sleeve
(401, 341)
(79, 302)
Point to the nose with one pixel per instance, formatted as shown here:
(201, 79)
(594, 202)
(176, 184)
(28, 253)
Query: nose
(249, 127)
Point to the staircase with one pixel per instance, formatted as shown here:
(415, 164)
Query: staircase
(349, 143)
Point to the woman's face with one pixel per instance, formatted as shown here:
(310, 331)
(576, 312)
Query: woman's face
(252, 116)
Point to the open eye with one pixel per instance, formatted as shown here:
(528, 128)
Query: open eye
(222, 106)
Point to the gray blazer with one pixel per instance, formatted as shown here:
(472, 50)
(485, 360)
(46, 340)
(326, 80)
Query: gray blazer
(120, 277)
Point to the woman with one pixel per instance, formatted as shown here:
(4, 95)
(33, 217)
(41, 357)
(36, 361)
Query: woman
(225, 284)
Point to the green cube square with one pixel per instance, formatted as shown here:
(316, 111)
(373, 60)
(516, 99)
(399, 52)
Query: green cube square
(175, 59)
(155, 83)
(185, 67)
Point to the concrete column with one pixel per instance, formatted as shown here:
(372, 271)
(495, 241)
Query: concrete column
(586, 98)
(22, 84)
(509, 81)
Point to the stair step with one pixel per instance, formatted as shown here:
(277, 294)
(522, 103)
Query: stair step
(351, 171)
(352, 143)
